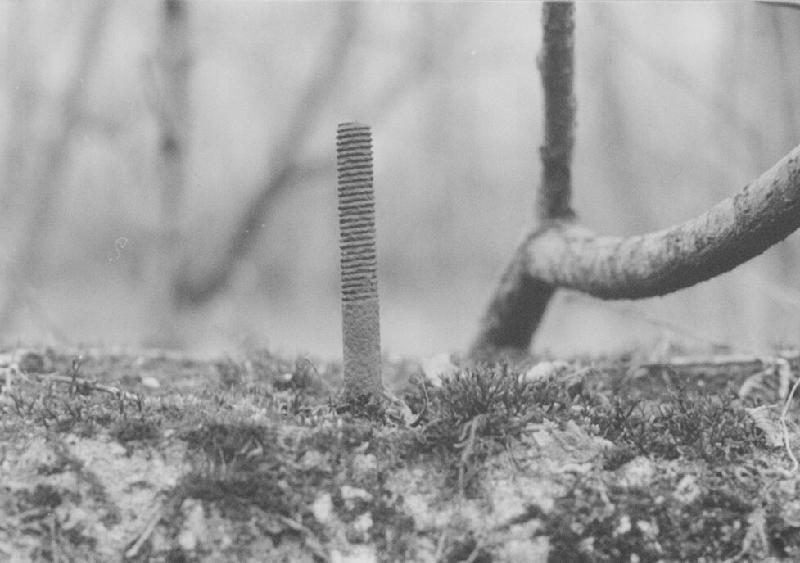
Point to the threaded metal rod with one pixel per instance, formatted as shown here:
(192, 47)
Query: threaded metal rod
(360, 316)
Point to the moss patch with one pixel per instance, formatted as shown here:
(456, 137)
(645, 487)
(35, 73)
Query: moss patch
(254, 458)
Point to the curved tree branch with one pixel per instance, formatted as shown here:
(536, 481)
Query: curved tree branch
(565, 255)
(735, 230)
(562, 254)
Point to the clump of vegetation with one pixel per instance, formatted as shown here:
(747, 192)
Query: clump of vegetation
(30, 514)
(136, 429)
(686, 424)
(257, 471)
(365, 406)
(596, 521)
(505, 399)
(79, 410)
(466, 548)
(478, 410)
(267, 446)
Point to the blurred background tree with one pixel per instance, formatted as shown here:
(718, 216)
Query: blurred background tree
(170, 102)
(679, 106)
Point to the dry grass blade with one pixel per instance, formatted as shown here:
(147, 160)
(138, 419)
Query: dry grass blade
(785, 429)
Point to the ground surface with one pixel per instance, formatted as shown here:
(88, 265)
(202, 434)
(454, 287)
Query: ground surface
(257, 458)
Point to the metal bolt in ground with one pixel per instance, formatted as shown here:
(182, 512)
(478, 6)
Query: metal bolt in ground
(360, 318)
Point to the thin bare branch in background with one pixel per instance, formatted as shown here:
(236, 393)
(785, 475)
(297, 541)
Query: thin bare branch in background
(791, 130)
(52, 161)
(415, 75)
(791, 4)
(20, 105)
(678, 74)
(786, 257)
(172, 107)
(620, 155)
(282, 163)
(422, 66)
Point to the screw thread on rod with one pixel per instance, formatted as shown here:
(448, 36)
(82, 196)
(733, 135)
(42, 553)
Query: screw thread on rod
(360, 316)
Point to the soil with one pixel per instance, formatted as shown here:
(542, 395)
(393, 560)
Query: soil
(157, 457)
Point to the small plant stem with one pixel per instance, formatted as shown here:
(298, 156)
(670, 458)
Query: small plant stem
(360, 316)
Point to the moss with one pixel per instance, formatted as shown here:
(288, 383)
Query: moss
(594, 522)
(477, 412)
(466, 548)
(137, 429)
(55, 408)
(42, 496)
(784, 537)
(231, 373)
(493, 394)
(366, 407)
(36, 507)
(684, 424)
(264, 446)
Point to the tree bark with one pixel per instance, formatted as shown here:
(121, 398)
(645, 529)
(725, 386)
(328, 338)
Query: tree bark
(560, 253)
(566, 255)
(520, 301)
(556, 65)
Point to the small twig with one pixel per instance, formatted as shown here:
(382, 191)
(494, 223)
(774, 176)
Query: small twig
(85, 384)
(152, 522)
(794, 4)
(309, 537)
(467, 437)
(755, 537)
(76, 367)
(440, 546)
(476, 552)
(424, 410)
(54, 555)
(723, 360)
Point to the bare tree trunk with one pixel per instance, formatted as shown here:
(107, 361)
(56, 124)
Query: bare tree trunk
(283, 164)
(562, 254)
(171, 104)
(520, 301)
(53, 160)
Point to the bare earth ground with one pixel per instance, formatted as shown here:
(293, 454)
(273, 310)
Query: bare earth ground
(109, 457)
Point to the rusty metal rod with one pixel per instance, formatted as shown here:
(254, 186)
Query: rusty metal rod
(360, 316)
